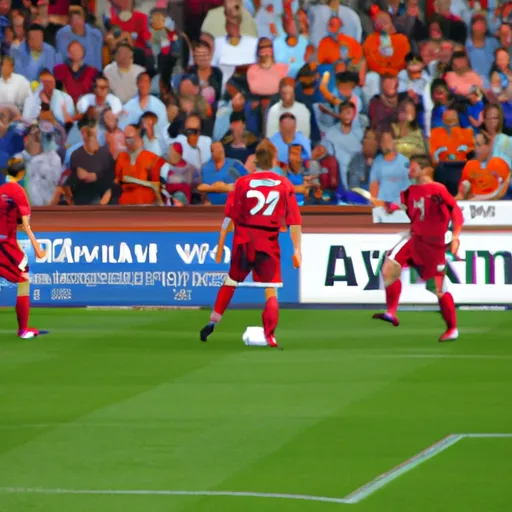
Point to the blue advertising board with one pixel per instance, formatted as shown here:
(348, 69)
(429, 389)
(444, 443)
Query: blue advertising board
(137, 269)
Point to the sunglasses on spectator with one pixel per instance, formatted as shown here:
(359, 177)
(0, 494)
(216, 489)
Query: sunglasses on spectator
(192, 131)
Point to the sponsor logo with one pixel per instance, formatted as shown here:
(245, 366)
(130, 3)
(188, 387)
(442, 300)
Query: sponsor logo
(200, 253)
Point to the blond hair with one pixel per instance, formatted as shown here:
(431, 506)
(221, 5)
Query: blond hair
(266, 154)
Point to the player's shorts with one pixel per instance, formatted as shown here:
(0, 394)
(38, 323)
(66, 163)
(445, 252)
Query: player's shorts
(13, 262)
(265, 265)
(428, 259)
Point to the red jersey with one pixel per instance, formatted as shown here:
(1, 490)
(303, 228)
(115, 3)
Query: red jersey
(13, 206)
(430, 208)
(263, 199)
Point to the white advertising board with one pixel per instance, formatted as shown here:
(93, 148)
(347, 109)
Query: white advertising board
(476, 213)
(344, 269)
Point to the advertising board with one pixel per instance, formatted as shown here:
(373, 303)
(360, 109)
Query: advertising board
(344, 269)
(137, 269)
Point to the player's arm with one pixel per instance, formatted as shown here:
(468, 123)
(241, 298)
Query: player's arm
(226, 226)
(25, 223)
(294, 221)
(457, 218)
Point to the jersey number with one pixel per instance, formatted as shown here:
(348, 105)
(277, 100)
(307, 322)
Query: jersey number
(266, 203)
(420, 205)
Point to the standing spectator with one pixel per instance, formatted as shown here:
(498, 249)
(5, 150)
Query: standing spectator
(43, 167)
(122, 74)
(143, 102)
(149, 132)
(89, 37)
(389, 174)
(343, 140)
(138, 163)
(287, 136)
(48, 97)
(196, 147)
(75, 76)
(92, 169)
(358, 170)
(220, 170)
(100, 98)
(178, 175)
(34, 55)
(287, 103)
(14, 88)
(239, 143)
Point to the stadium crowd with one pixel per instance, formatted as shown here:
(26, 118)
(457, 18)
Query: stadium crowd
(167, 107)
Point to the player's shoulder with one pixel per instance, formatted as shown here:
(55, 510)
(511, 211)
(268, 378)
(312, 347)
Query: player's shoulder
(11, 187)
(264, 179)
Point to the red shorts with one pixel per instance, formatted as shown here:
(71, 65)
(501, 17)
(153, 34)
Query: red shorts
(428, 259)
(265, 265)
(13, 262)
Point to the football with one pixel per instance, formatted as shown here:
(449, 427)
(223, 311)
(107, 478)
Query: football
(254, 336)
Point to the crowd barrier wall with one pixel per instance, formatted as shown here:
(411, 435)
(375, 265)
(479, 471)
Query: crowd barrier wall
(153, 256)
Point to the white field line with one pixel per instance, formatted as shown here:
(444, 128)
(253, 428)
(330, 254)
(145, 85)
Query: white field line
(354, 497)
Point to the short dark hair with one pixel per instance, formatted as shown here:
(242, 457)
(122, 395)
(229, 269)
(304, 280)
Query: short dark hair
(124, 44)
(45, 71)
(142, 75)
(35, 27)
(99, 77)
(346, 104)
(237, 116)
(201, 44)
(423, 160)
(287, 115)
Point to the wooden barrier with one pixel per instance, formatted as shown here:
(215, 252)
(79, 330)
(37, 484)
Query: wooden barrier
(316, 219)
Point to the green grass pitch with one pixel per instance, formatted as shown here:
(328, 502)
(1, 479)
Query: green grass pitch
(131, 400)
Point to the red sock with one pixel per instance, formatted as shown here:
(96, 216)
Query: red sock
(447, 306)
(22, 311)
(222, 302)
(393, 292)
(270, 316)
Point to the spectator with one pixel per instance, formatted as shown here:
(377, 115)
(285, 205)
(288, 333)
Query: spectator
(196, 147)
(408, 137)
(413, 79)
(114, 37)
(143, 102)
(383, 109)
(122, 74)
(43, 166)
(462, 78)
(178, 175)
(451, 26)
(410, 24)
(480, 48)
(493, 127)
(14, 88)
(287, 136)
(358, 170)
(92, 169)
(220, 170)
(389, 174)
(485, 178)
(295, 169)
(128, 20)
(149, 133)
(290, 48)
(11, 140)
(48, 98)
(114, 136)
(450, 142)
(41, 16)
(138, 163)
(34, 55)
(75, 76)
(287, 103)
(505, 37)
(233, 11)
(238, 142)
(343, 140)
(100, 98)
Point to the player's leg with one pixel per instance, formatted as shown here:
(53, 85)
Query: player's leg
(447, 307)
(395, 260)
(239, 269)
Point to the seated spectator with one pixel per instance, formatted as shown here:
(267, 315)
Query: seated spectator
(439, 67)
(166, 42)
(485, 178)
(122, 73)
(462, 78)
(11, 139)
(504, 36)
(501, 84)
(19, 25)
(287, 136)
(149, 133)
(493, 127)
(451, 143)
(343, 140)
(232, 11)
(435, 103)
(383, 109)
(410, 24)
(294, 169)
(450, 25)
(91, 178)
(408, 136)
(480, 48)
(413, 79)
(238, 142)
(389, 174)
(290, 48)
(114, 136)
(34, 55)
(287, 103)
(14, 88)
(75, 76)
(40, 14)
(142, 165)
(320, 14)
(196, 147)
(178, 176)
(358, 169)
(47, 97)
(473, 115)
(143, 102)
(100, 98)
(122, 14)
(114, 37)
(43, 166)
(78, 30)
(220, 170)
(189, 89)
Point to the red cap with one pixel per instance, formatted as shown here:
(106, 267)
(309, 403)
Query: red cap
(178, 148)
